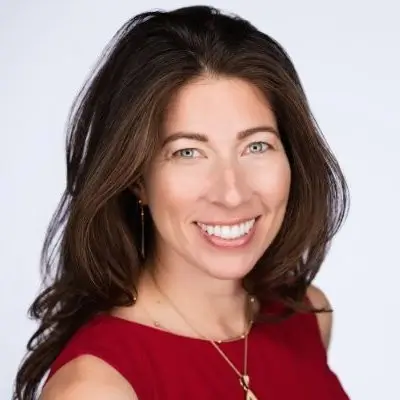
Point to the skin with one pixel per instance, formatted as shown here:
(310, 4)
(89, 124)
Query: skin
(233, 168)
(236, 170)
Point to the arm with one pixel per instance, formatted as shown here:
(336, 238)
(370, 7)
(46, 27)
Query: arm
(87, 377)
(325, 319)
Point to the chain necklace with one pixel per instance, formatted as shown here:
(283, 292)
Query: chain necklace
(244, 378)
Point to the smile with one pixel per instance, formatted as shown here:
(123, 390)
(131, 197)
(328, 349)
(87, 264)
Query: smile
(228, 232)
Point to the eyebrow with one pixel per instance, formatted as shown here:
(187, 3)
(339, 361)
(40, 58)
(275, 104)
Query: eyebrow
(201, 137)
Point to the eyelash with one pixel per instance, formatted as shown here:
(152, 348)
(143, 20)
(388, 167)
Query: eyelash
(178, 153)
(265, 147)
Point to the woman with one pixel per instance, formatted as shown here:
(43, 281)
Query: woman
(200, 202)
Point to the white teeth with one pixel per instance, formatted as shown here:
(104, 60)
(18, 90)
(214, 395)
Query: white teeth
(228, 231)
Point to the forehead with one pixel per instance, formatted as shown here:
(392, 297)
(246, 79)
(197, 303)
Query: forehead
(215, 105)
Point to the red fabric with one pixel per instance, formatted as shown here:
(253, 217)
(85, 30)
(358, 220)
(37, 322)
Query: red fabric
(286, 361)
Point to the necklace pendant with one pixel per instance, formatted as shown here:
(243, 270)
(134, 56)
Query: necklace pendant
(245, 382)
(250, 395)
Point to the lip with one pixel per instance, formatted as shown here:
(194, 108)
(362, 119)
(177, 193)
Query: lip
(231, 222)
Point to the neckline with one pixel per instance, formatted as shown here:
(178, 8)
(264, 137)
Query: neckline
(167, 334)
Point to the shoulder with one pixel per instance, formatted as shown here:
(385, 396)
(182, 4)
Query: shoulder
(96, 363)
(87, 377)
(325, 319)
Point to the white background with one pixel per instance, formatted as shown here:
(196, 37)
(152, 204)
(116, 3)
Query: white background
(348, 56)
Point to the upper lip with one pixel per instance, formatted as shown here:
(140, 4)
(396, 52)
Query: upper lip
(236, 221)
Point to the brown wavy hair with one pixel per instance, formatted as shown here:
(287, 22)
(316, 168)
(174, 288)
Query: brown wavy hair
(91, 255)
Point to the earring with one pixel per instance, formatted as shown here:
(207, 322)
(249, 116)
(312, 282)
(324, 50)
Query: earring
(142, 227)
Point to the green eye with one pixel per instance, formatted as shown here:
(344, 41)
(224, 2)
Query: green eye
(258, 147)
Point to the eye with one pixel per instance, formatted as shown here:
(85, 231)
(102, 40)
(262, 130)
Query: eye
(187, 153)
(257, 147)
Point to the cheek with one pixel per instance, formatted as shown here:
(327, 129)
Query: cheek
(272, 181)
(173, 191)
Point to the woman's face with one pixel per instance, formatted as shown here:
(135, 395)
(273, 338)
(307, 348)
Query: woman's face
(218, 189)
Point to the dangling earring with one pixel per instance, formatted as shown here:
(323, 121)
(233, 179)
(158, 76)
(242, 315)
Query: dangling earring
(142, 227)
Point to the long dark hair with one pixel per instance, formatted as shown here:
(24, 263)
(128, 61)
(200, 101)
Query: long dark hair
(91, 254)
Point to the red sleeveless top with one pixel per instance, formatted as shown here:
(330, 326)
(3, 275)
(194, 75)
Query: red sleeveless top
(286, 361)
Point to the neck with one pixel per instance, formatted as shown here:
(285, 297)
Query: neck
(220, 305)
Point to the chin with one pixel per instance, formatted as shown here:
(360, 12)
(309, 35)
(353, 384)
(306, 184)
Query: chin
(227, 268)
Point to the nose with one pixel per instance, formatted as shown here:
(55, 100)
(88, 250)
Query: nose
(230, 186)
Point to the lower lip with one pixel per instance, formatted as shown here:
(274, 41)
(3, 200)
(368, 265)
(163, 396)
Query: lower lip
(229, 243)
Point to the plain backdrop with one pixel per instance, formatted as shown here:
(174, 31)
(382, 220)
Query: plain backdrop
(348, 56)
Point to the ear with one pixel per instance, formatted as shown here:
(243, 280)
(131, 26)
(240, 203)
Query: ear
(139, 191)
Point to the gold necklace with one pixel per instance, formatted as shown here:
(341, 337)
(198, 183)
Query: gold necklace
(244, 378)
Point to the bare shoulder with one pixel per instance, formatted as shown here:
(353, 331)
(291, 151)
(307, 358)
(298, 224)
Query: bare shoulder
(87, 377)
(325, 319)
